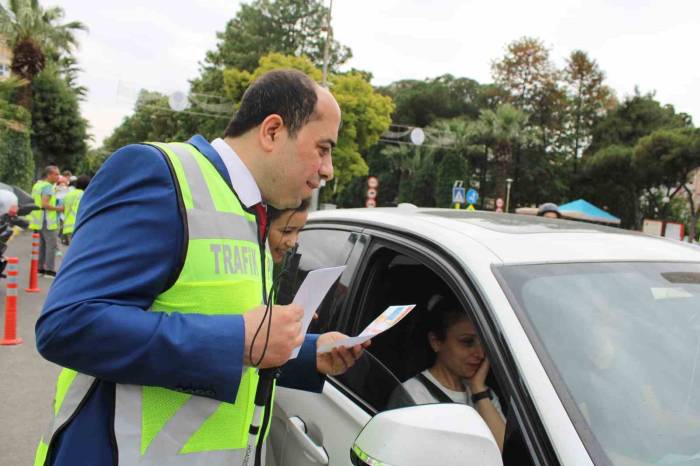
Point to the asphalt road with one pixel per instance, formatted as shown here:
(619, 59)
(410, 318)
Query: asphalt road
(27, 380)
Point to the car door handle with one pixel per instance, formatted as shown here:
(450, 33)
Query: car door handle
(298, 429)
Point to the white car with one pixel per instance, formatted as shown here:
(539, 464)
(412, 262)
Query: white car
(593, 335)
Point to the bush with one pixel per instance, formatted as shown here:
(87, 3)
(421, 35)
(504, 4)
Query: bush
(16, 160)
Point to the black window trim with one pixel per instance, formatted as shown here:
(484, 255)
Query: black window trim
(458, 277)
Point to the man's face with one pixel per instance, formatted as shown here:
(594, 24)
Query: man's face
(53, 176)
(305, 160)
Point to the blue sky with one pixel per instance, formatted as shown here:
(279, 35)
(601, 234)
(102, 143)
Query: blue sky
(158, 44)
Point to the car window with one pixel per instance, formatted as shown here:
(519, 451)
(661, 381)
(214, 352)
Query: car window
(324, 248)
(388, 380)
(320, 248)
(621, 341)
(389, 279)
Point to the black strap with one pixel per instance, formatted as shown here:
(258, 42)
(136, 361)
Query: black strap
(434, 390)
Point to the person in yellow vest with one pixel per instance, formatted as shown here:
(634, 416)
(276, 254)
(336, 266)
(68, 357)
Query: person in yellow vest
(158, 314)
(45, 220)
(70, 206)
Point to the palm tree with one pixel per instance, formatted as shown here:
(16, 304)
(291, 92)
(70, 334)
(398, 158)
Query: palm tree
(501, 130)
(35, 34)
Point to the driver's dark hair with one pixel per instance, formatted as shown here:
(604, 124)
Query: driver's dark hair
(444, 312)
(288, 93)
(273, 214)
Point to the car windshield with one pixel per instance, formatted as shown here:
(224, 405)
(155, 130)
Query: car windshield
(621, 343)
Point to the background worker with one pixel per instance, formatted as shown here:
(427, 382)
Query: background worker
(160, 296)
(71, 201)
(45, 220)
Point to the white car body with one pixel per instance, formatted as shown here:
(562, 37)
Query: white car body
(309, 429)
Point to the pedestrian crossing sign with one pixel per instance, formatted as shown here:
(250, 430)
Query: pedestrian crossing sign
(458, 195)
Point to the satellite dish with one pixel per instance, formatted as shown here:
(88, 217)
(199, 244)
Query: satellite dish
(417, 136)
(178, 101)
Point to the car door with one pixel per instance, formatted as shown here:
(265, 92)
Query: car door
(308, 429)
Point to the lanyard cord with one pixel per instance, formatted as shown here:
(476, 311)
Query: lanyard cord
(271, 297)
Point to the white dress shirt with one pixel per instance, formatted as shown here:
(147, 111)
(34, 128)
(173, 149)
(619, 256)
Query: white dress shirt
(242, 180)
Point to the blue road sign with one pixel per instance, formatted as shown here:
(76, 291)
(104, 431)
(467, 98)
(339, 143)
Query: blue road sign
(458, 195)
(472, 196)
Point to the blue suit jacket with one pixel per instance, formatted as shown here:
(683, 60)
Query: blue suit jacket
(124, 253)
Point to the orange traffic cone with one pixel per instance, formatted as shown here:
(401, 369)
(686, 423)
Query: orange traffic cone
(34, 270)
(11, 304)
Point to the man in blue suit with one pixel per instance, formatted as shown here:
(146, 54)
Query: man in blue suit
(129, 248)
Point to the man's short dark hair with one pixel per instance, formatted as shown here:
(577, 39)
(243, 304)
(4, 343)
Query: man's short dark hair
(288, 93)
(82, 182)
(49, 169)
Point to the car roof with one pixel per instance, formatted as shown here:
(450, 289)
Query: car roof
(513, 238)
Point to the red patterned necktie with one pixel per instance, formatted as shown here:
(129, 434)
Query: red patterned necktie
(262, 219)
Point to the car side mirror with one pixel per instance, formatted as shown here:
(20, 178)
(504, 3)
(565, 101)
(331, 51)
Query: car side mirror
(444, 434)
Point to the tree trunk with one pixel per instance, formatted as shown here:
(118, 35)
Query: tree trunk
(482, 185)
(694, 214)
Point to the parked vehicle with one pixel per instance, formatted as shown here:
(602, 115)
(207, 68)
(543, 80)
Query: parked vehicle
(593, 335)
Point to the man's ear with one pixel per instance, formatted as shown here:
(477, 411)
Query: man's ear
(271, 130)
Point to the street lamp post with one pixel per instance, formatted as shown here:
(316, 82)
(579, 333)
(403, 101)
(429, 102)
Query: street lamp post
(326, 46)
(509, 181)
(316, 193)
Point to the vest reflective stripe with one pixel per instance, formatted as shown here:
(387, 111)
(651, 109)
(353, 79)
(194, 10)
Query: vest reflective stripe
(71, 389)
(71, 202)
(222, 274)
(165, 449)
(214, 225)
(201, 198)
(36, 217)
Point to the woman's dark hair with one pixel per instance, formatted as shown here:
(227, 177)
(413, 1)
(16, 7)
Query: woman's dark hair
(288, 93)
(273, 214)
(444, 313)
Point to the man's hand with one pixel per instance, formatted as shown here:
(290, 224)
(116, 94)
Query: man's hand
(285, 334)
(338, 360)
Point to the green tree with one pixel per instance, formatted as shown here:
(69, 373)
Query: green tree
(419, 103)
(92, 161)
(35, 34)
(152, 120)
(59, 132)
(637, 116)
(531, 83)
(667, 158)
(452, 166)
(589, 99)
(502, 131)
(609, 179)
(405, 160)
(289, 27)
(16, 162)
(365, 115)
(452, 158)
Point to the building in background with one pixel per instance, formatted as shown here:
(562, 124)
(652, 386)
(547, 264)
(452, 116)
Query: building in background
(5, 58)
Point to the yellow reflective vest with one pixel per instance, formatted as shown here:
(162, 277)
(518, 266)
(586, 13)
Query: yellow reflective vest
(158, 426)
(36, 217)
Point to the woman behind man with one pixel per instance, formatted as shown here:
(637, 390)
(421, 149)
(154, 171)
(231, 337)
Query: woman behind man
(285, 226)
(459, 372)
